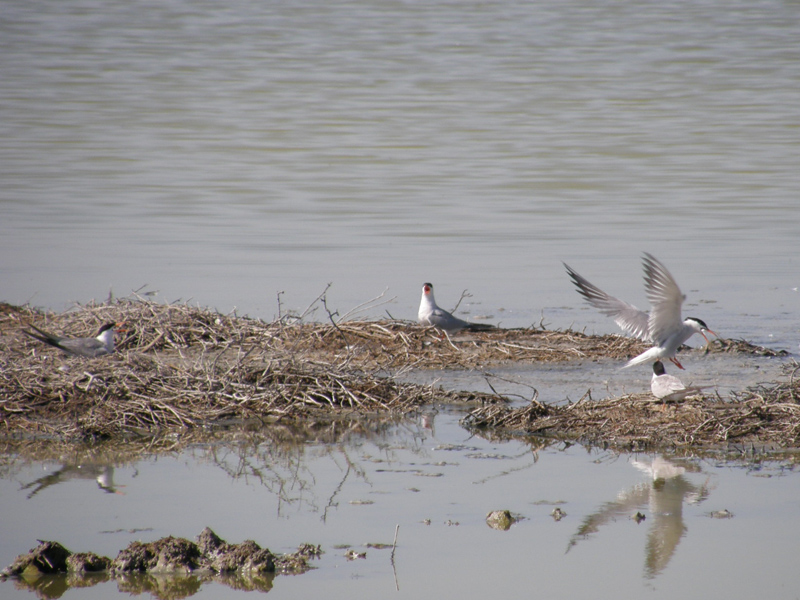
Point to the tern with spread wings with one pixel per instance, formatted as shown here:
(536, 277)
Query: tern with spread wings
(662, 326)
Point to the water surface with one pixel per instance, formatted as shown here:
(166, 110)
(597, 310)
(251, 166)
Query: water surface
(244, 156)
(437, 483)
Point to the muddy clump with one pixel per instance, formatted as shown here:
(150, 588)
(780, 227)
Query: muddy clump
(502, 520)
(179, 556)
(87, 562)
(167, 555)
(222, 557)
(46, 558)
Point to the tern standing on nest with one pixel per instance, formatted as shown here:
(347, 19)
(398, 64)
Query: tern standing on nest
(430, 314)
(89, 347)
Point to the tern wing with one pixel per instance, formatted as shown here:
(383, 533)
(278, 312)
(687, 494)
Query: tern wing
(88, 347)
(480, 326)
(666, 299)
(43, 336)
(443, 319)
(629, 318)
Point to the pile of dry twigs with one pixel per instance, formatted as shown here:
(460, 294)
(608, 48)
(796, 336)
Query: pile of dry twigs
(189, 368)
(763, 415)
(179, 366)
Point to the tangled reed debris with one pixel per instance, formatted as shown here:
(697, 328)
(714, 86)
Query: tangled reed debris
(729, 346)
(185, 367)
(188, 368)
(761, 415)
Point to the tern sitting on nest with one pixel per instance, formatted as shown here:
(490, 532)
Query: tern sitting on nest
(430, 314)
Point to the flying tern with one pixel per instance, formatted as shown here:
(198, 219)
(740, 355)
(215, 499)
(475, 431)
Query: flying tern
(668, 387)
(662, 326)
(430, 314)
(89, 347)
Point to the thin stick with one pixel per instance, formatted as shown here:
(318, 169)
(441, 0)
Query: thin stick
(367, 305)
(464, 294)
(317, 299)
(394, 544)
(394, 568)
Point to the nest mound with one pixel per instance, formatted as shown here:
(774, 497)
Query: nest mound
(179, 366)
(759, 416)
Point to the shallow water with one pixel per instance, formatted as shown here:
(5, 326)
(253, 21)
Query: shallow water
(245, 156)
(558, 383)
(357, 490)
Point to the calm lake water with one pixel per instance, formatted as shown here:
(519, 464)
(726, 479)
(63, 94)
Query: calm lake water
(244, 155)
(355, 491)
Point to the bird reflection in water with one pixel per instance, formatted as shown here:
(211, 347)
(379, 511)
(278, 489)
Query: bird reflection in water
(102, 474)
(662, 498)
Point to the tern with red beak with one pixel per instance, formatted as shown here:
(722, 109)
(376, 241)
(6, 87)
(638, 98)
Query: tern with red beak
(662, 326)
(89, 347)
(430, 314)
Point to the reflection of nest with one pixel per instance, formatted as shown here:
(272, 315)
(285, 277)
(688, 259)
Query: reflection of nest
(758, 416)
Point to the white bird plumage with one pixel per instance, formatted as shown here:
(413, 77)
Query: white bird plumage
(430, 314)
(662, 326)
(668, 387)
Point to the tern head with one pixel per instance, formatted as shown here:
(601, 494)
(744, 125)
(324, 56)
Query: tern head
(427, 294)
(111, 327)
(658, 368)
(699, 326)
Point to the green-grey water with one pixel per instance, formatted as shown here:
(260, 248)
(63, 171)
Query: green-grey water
(247, 154)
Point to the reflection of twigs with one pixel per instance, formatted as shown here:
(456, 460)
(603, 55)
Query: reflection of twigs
(335, 493)
(350, 467)
(513, 470)
(394, 547)
(394, 544)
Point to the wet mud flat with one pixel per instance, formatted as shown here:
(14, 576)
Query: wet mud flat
(180, 368)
